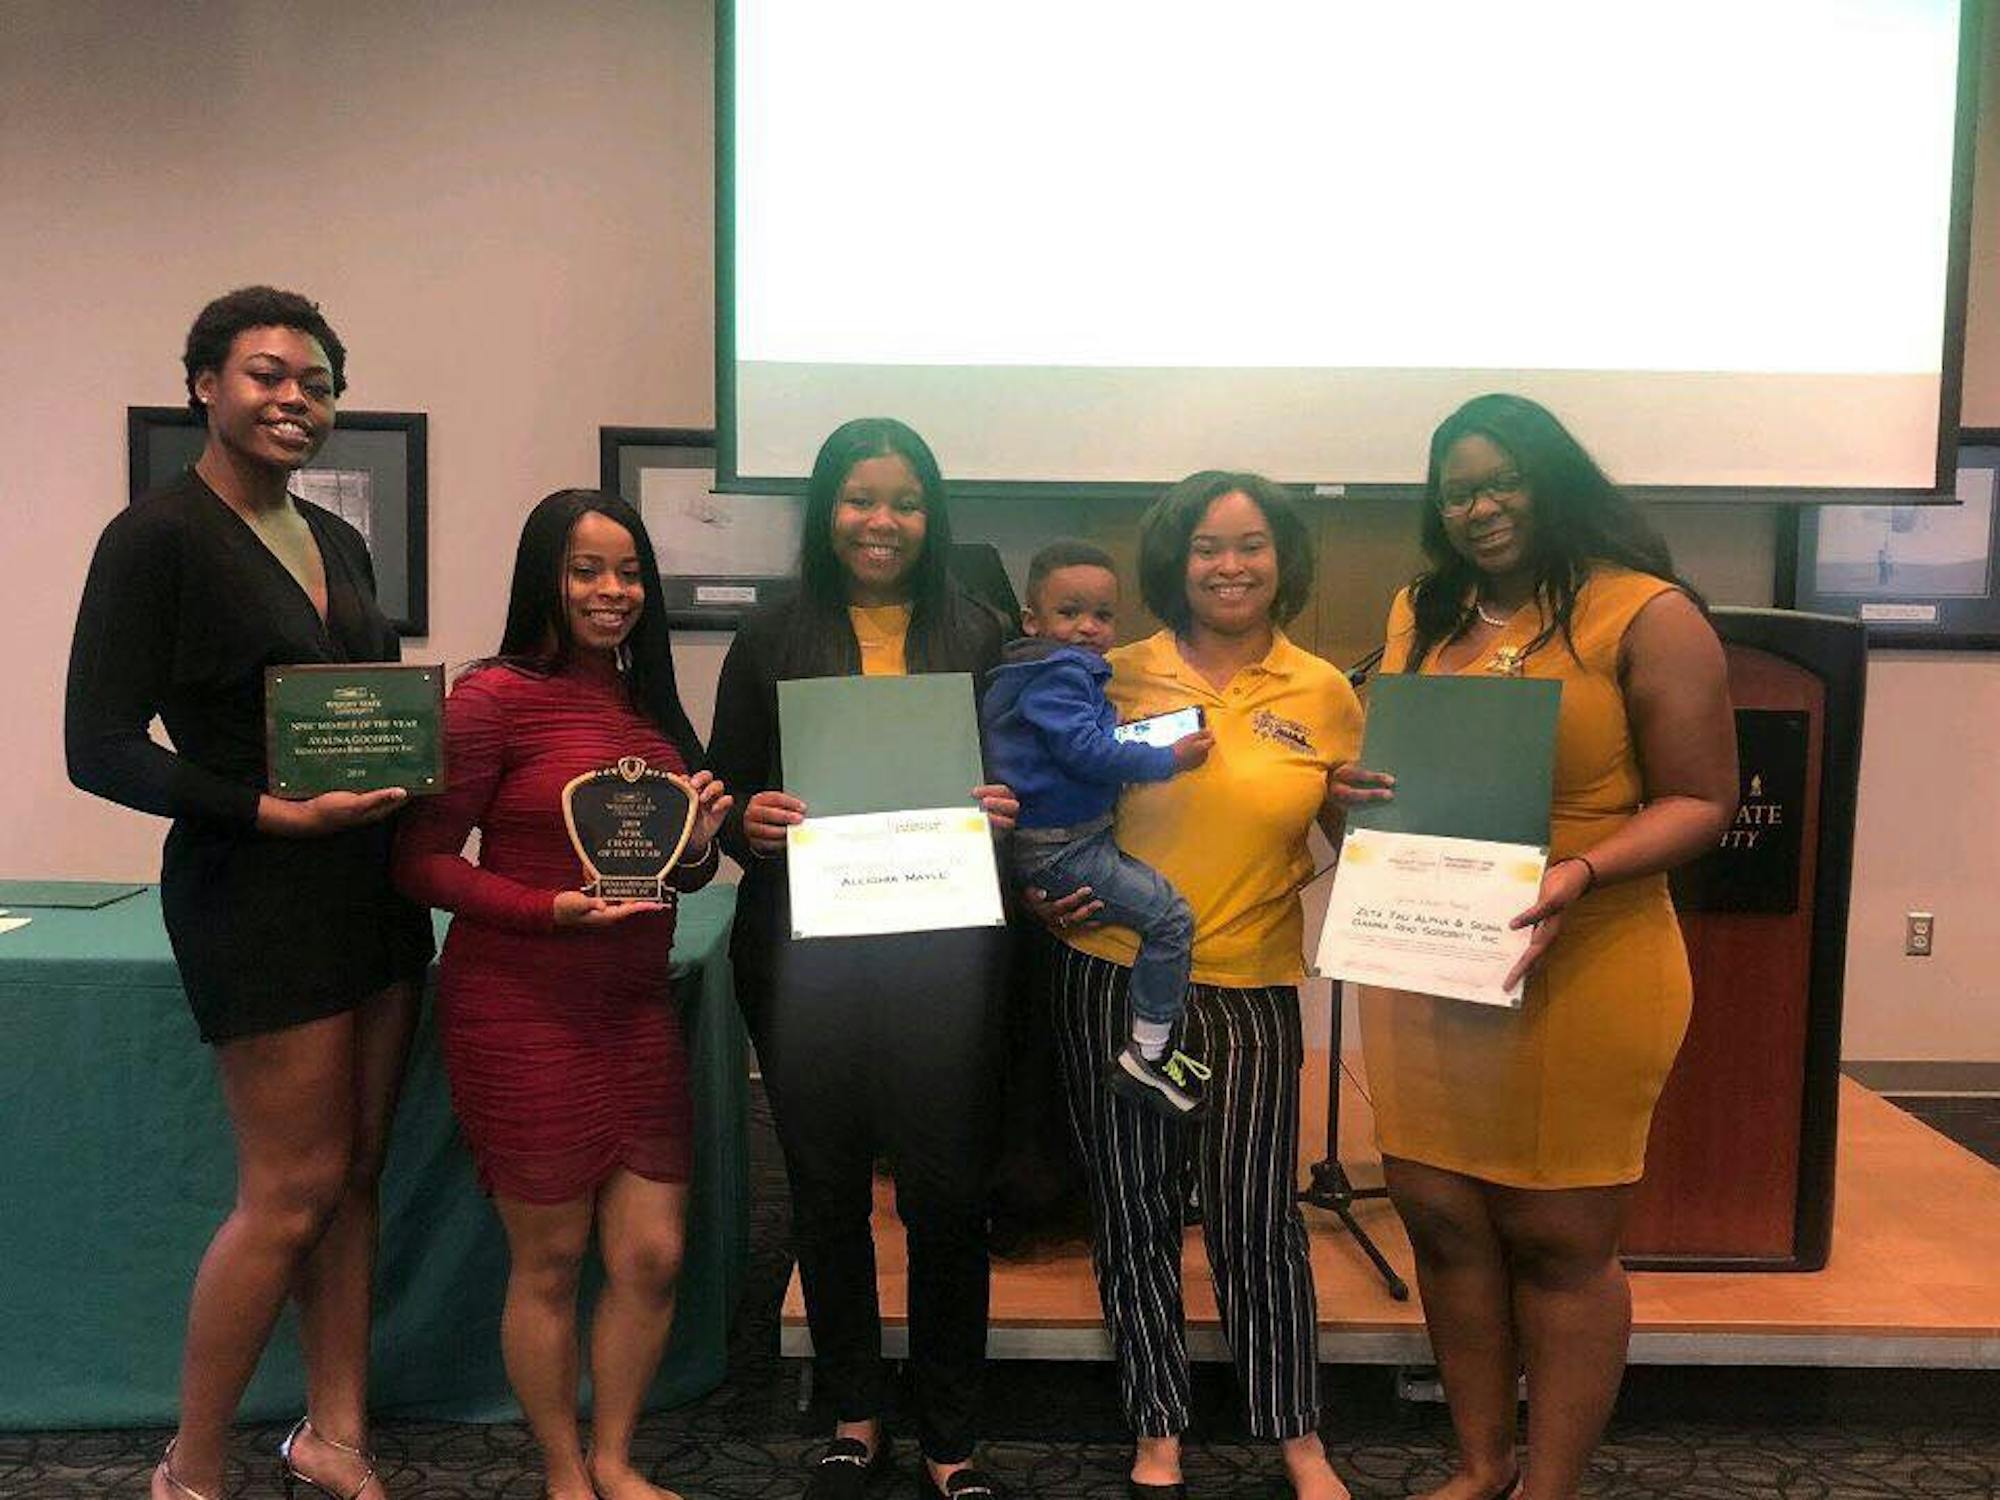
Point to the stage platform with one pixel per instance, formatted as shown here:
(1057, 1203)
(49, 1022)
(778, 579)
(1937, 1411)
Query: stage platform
(1913, 1281)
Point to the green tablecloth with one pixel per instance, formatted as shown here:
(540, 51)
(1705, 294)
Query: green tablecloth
(116, 1163)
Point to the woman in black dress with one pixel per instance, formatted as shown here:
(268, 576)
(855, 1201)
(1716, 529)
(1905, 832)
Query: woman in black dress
(300, 963)
(870, 1045)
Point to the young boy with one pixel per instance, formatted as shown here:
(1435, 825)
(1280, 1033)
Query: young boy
(1048, 731)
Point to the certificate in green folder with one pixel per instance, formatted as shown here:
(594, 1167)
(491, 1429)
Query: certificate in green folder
(1429, 881)
(892, 841)
(880, 744)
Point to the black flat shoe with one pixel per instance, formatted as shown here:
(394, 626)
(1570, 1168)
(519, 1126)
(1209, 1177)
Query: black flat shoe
(1138, 1490)
(846, 1471)
(965, 1484)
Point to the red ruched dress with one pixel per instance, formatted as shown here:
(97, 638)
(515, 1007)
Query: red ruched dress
(563, 1046)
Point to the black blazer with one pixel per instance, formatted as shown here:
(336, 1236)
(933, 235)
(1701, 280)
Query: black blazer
(744, 752)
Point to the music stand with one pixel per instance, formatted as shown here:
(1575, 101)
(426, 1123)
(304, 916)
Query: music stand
(1331, 1189)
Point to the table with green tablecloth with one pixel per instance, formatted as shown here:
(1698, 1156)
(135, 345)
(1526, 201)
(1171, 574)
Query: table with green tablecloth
(116, 1159)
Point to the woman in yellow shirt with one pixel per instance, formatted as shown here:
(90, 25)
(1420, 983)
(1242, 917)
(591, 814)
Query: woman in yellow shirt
(1225, 560)
(1510, 1139)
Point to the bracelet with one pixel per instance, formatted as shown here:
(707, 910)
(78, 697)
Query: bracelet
(1590, 870)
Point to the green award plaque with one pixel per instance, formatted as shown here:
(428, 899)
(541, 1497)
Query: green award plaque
(353, 728)
(629, 824)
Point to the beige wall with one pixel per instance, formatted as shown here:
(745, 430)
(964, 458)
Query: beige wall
(506, 208)
(1927, 827)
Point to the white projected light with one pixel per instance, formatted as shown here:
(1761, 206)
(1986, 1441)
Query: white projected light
(1116, 241)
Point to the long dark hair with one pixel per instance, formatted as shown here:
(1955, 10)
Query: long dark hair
(943, 618)
(1580, 518)
(537, 636)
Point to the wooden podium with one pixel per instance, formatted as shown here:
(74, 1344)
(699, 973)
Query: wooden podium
(1739, 1169)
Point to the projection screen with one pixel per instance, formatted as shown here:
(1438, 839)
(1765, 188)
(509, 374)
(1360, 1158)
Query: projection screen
(1102, 244)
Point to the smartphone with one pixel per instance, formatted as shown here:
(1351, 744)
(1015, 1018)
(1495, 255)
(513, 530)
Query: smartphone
(1162, 729)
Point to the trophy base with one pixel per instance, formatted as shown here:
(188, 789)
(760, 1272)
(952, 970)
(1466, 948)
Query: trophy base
(632, 888)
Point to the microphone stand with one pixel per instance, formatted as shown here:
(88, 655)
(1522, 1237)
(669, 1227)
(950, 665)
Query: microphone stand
(1331, 1188)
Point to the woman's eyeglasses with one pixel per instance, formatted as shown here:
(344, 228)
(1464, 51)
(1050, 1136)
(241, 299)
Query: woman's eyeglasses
(1506, 485)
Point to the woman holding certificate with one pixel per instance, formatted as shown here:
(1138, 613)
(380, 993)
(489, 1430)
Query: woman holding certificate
(1226, 561)
(870, 1046)
(300, 962)
(568, 1071)
(1510, 1138)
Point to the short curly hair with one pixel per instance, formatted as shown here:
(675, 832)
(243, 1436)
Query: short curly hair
(1166, 532)
(216, 326)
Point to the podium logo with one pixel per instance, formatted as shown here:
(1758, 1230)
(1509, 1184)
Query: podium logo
(1754, 866)
(1755, 816)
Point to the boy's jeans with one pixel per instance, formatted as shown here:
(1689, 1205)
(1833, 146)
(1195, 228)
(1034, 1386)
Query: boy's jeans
(1135, 895)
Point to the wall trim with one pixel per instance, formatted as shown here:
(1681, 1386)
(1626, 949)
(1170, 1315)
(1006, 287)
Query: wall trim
(1919, 1076)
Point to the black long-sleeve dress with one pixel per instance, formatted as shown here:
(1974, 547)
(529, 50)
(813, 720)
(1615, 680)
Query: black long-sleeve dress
(183, 609)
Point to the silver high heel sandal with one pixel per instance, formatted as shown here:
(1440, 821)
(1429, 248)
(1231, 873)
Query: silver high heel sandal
(290, 1475)
(165, 1470)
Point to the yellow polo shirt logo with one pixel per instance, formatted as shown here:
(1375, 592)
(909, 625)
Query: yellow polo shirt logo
(1232, 836)
(1285, 731)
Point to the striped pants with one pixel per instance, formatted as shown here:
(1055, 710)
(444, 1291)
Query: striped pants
(1245, 1151)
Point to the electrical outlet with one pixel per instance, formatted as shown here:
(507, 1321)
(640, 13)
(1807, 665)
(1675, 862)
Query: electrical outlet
(1919, 934)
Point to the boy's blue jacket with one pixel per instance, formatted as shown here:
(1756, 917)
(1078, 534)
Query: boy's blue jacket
(1048, 735)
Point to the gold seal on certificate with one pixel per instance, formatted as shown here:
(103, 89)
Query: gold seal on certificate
(629, 824)
(353, 728)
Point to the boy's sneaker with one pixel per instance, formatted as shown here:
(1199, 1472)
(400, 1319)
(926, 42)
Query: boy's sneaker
(1171, 1085)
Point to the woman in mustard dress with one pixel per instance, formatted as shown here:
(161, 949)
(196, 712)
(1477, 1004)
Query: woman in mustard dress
(1511, 1138)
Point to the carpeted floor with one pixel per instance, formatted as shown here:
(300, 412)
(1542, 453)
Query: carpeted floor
(1056, 1431)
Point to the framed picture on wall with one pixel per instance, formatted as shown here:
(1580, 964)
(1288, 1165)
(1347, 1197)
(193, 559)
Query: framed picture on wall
(1915, 575)
(373, 472)
(720, 555)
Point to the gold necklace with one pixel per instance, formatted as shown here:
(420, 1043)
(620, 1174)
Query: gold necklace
(1506, 661)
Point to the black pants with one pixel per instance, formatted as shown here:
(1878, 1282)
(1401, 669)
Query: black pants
(1246, 1152)
(884, 1047)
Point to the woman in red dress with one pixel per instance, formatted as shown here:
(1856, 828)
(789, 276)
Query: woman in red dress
(567, 1066)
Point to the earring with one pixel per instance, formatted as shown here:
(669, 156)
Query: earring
(623, 657)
